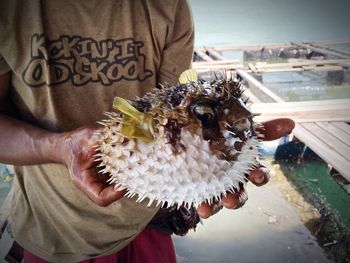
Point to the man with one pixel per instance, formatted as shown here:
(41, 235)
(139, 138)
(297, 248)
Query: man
(62, 63)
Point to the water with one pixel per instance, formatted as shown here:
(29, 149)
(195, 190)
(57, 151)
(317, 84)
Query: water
(249, 22)
(253, 22)
(305, 86)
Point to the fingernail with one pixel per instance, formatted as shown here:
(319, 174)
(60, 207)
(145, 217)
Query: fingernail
(243, 197)
(204, 211)
(259, 179)
(230, 201)
(262, 176)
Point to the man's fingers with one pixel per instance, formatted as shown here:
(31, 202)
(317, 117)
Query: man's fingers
(108, 195)
(236, 200)
(259, 176)
(205, 210)
(103, 195)
(96, 188)
(275, 129)
(271, 130)
(230, 201)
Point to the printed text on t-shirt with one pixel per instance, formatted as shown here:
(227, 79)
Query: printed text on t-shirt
(82, 60)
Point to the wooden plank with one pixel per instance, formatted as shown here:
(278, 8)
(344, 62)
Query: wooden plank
(345, 102)
(306, 111)
(260, 108)
(298, 69)
(341, 52)
(331, 42)
(215, 54)
(275, 67)
(270, 46)
(216, 62)
(251, 96)
(343, 126)
(333, 142)
(203, 55)
(320, 116)
(309, 116)
(336, 62)
(319, 50)
(335, 131)
(217, 65)
(227, 67)
(303, 68)
(341, 164)
(208, 70)
(294, 106)
(259, 85)
(303, 106)
(247, 47)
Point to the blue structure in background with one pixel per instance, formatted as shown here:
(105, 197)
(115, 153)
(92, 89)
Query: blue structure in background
(269, 151)
(6, 177)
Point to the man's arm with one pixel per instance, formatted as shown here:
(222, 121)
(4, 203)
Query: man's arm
(24, 144)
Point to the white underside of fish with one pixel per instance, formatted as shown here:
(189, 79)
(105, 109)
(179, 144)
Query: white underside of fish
(151, 170)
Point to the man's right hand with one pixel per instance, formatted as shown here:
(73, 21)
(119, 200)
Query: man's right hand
(77, 151)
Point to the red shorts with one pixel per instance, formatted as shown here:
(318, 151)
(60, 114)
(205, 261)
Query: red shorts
(150, 246)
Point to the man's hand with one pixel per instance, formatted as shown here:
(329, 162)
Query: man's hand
(78, 151)
(271, 130)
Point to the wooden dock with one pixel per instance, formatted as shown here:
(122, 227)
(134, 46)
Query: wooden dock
(330, 141)
(322, 125)
(336, 59)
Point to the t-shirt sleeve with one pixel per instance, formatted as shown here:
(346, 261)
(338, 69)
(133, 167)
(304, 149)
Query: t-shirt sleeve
(4, 67)
(178, 51)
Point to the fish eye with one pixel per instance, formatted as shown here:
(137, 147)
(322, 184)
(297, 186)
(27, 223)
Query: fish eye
(204, 112)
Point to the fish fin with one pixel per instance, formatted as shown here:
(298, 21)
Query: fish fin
(135, 124)
(130, 129)
(188, 76)
(128, 110)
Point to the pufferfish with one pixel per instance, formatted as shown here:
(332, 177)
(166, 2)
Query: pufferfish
(180, 144)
